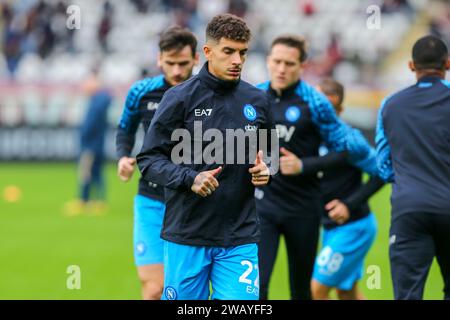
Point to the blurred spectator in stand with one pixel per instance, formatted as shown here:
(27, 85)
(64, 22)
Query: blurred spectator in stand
(439, 12)
(238, 7)
(307, 7)
(323, 66)
(141, 5)
(12, 39)
(105, 26)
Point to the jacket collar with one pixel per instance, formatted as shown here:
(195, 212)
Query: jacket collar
(429, 78)
(215, 83)
(285, 93)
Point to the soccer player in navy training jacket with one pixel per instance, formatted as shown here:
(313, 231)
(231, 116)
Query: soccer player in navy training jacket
(349, 226)
(210, 225)
(292, 204)
(177, 58)
(413, 152)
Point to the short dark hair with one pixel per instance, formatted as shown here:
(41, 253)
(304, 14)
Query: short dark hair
(177, 38)
(330, 86)
(292, 41)
(430, 52)
(228, 26)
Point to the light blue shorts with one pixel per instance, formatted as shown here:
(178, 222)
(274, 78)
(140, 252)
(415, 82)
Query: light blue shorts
(340, 263)
(190, 271)
(148, 220)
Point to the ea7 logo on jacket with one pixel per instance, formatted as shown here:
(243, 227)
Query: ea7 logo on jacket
(202, 112)
(284, 132)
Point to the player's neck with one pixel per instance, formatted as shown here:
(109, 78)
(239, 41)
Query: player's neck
(430, 73)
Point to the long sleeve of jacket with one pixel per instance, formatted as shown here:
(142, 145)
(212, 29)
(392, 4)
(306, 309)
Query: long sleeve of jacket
(337, 135)
(384, 160)
(154, 160)
(364, 193)
(332, 160)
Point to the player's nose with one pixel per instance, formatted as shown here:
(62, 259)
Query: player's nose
(236, 59)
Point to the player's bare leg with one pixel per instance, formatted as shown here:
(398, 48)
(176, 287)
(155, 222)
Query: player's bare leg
(352, 294)
(152, 281)
(319, 291)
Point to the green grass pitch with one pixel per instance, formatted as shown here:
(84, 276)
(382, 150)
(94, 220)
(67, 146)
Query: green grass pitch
(38, 244)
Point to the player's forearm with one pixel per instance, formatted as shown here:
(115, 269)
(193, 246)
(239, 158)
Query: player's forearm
(384, 162)
(364, 193)
(124, 143)
(157, 168)
(332, 160)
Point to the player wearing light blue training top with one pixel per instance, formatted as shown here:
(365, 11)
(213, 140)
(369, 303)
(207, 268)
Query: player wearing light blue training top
(177, 58)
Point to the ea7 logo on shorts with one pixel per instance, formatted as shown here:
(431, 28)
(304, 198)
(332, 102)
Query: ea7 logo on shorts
(171, 293)
(202, 112)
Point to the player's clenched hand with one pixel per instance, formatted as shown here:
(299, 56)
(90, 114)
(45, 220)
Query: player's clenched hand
(290, 164)
(337, 211)
(260, 172)
(205, 182)
(125, 168)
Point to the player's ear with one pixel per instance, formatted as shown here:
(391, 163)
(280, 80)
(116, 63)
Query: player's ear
(159, 60)
(411, 66)
(447, 65)
(207, 51)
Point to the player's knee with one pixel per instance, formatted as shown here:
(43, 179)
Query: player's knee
(319, 291)
(152, 290)
(346, 294)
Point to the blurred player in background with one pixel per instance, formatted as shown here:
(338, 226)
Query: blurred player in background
(177, 58)
(210, 225)
(292, 204)
(92, 142)
(349, 225)
(413, 146)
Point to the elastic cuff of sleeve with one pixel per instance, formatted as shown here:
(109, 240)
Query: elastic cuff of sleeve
(350, 205)
(189, 178)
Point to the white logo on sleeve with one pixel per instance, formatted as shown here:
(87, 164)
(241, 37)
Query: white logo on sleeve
(152, 106)
(392, 239)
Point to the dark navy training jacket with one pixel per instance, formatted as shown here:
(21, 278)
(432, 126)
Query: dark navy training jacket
(227, 217)
(304, 119)
(413, 147)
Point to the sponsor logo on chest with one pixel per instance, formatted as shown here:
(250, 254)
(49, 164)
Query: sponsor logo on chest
(152, 106)
(285, 132)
